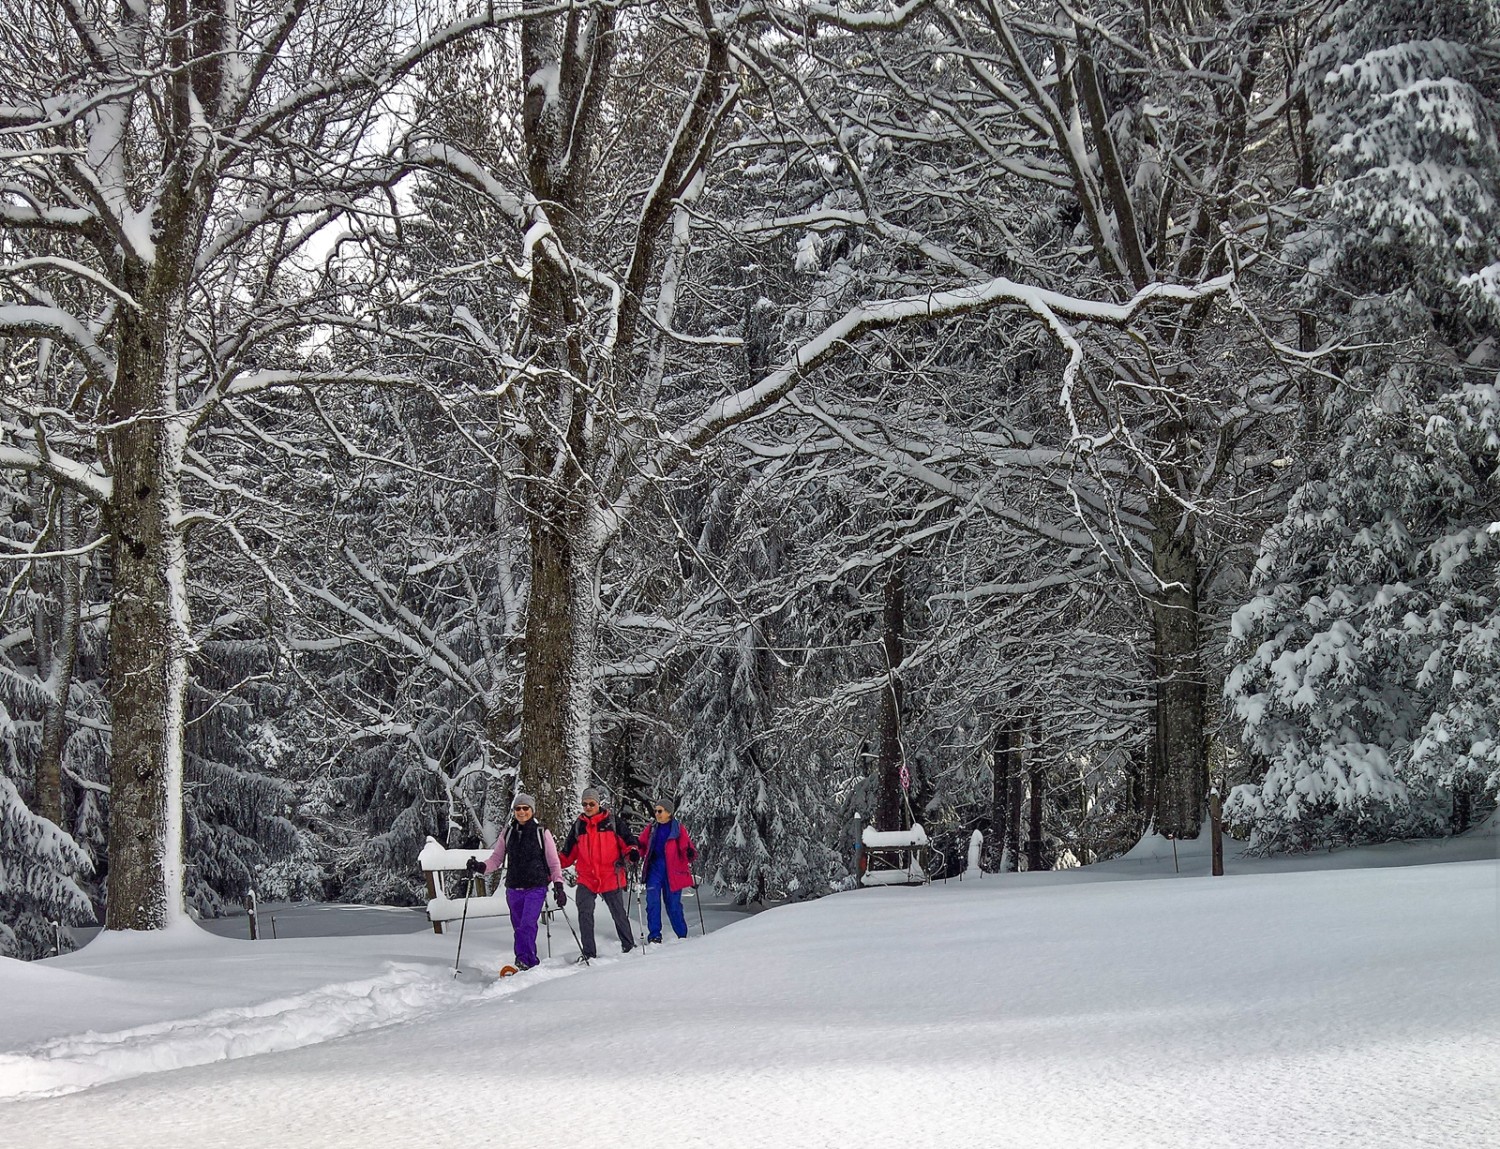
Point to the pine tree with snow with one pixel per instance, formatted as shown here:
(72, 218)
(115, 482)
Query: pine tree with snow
(727, 782)
(1369, 672)
(40, 868)
(1405, 99)
(1364, 679)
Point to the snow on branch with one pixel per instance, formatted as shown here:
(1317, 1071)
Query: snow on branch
(846, 17)
(1016, 590)
(935, 480)
(13, 215)
(1051, 306)
(251, 382)
(26, 555)
(69, 472)
(70, 267)
(446, 158)
(24, 319)
(526, 214)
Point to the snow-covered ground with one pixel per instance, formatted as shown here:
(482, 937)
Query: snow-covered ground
(1356, 1002)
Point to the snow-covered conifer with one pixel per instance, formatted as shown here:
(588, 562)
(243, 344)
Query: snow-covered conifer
(1405, 99)
(1369, 673)
(40, 868)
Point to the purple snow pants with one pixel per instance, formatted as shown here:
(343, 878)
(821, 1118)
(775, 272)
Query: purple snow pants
(525, 910)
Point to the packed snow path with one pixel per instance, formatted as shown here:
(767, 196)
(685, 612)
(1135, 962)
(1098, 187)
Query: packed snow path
(1346, 1007)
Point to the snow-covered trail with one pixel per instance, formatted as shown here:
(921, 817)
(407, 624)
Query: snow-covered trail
(1346, 1007)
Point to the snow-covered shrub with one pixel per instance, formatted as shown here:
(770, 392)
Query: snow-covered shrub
(1368, 660)
(1406, 103)
(39, 870)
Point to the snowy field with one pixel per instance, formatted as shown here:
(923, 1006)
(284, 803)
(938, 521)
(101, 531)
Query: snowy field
(1346, 999)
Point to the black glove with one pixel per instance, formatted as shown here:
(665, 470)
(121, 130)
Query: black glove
(474, 866)
(692, 856)
(559, 895)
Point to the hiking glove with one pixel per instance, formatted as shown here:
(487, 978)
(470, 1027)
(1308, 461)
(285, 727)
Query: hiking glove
(559, 895)
(474, 866)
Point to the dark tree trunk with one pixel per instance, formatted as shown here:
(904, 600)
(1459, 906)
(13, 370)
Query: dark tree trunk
(1017, 789)
(1141, 777)
(1181, 762)
(1004, 808)
(888, 814)
(999, 798)
(1035, 849)
(1463, 810)
(557, 694)
(57, 650)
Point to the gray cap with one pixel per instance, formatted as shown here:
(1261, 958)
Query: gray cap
(523, 799)
(667, 804)
(591, 795)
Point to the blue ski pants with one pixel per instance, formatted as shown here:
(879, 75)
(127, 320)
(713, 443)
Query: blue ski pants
(654, 896)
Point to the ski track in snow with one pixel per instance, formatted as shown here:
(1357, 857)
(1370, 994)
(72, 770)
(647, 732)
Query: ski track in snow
(404, 992)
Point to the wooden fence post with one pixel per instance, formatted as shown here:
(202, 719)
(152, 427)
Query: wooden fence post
(437, 927)
(1216, 830)
(250, 913)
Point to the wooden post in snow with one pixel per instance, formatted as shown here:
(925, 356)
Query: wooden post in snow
(859, 844)
(437, 927)
(1216, 831)
(250, 913)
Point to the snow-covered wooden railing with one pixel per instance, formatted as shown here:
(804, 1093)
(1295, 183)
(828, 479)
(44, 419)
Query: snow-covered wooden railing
(437, 859)
(894, 857)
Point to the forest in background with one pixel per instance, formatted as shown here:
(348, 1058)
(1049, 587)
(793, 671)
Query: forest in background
(1070, 408)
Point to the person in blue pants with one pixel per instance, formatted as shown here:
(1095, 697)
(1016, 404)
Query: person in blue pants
(668, 855)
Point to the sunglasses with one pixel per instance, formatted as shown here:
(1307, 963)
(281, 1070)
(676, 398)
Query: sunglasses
(586, 805)
(520, 808)
(662, 810)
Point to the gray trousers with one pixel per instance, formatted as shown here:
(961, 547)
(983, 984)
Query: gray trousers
(615, 900)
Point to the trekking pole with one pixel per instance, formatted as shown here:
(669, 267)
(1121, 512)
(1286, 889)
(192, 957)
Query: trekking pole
(641, 917)
(464, 920)
(698, 897)
(576, 939)
(630, 900)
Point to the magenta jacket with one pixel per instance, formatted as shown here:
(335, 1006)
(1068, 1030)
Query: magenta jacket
(681, 853)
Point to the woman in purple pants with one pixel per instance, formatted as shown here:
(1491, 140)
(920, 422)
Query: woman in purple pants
(533, 863)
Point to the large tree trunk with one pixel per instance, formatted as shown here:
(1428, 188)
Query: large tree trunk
(148, 634)
(561, 500)
(57, 652)
(888, 814)
(562, 608)
(1180, 759)
(558, 691)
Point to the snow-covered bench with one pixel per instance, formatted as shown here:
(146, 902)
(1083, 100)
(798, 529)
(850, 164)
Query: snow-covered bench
(894, 857)
(437, 859)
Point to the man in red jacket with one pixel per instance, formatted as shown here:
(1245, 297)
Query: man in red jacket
(599, 846)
